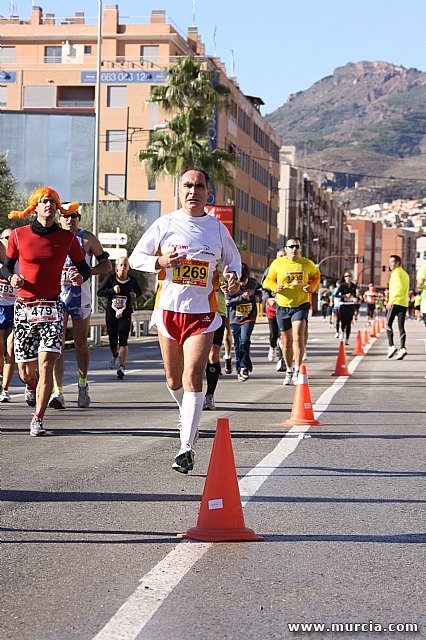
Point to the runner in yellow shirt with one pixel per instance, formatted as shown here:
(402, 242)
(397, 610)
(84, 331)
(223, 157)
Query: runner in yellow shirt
(399, 284)
(293, 278)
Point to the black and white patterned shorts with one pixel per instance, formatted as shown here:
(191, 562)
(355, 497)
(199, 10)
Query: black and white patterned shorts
(38, 326)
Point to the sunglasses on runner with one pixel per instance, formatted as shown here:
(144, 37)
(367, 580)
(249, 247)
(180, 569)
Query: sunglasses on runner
(70, 215)
(293, 246)
(5, 237)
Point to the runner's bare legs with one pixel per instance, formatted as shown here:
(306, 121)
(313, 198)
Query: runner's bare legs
(184, 367)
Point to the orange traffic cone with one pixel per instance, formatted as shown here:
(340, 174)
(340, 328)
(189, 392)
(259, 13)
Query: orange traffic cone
(221, 514)
(365, 339)
(383, 322)
(358, 351)
(342, 363)
(302, 412)
(373, 333)
(378, 328)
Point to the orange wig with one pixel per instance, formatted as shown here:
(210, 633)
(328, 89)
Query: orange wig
(35, 198)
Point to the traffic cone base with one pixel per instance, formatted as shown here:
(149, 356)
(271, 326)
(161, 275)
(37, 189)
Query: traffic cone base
(221, 535)
(342, 363)
(358, 350)
(302, 412)
(221, 513)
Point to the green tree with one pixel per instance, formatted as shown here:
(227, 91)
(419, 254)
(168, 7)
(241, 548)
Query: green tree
(10, 199)
(113, 216)
(193, 95)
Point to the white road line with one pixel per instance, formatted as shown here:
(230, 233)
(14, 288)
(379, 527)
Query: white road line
(158, 583)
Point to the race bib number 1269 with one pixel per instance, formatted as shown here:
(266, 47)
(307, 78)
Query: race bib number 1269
(193, 273)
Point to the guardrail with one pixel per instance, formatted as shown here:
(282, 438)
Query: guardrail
(140, 321)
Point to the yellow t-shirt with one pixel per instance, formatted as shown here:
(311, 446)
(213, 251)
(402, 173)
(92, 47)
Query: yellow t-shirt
(294, 275)
(399, 284)
(421, 275)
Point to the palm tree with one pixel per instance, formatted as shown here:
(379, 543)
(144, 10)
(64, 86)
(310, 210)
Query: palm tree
(193, 95)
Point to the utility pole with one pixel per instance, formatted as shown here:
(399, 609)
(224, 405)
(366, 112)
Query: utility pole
(95, 331)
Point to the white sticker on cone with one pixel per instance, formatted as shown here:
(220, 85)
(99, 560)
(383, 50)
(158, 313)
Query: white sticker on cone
(216, 504)
(307, 405)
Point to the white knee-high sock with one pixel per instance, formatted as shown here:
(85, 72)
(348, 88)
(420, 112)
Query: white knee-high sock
(177, 395)
(192, 408)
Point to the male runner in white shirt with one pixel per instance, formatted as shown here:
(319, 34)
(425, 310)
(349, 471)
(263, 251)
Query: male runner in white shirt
(184, 248)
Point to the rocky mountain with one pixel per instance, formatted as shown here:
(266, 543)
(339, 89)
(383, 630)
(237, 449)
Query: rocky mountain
(362, 131)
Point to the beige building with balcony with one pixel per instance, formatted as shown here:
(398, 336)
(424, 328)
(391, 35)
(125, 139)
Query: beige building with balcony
(47, 99)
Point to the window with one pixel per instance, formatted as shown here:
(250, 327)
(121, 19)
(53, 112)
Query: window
(152, 183)
(3, 96)
(53, 55)
(114, 185)
(117, 97)
(7, 54)
(88, 49)
(77, 97)
(150, 53)
(116, 140)
(257, 245)
(39, 97)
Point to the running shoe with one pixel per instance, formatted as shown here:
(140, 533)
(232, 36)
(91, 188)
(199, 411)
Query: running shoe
(83, 396)
(295, 377)
(391, 351)
(346, 341)
(401, 354)
(5, 396)
(184, 460)
(36, 427)
(209, 404)
(228, 365)
(337, 334)
(305, 357)
(57, 401)
(244, 373)
(288, 377)
(30, 397)
(113, 361)
(120, 372)
(281, 365)
(271, 354)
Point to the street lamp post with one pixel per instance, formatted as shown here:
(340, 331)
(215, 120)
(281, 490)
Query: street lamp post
(95, 331)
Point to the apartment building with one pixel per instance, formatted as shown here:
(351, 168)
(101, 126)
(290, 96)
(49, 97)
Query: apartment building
(47, 100)
(310, 212)
(400, 241)
(368, 250)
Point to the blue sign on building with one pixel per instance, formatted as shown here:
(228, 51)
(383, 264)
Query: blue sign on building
(124, 77)
(7, 76)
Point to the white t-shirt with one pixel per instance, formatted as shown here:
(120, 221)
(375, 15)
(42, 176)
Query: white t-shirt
(192, 287)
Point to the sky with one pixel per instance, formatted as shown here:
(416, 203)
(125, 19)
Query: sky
(278, 47)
